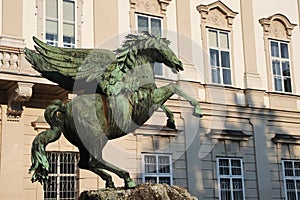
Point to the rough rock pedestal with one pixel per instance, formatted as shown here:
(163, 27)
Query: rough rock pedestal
(145, 191)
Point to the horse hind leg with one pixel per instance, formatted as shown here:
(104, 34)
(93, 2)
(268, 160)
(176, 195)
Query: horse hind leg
(86, 163)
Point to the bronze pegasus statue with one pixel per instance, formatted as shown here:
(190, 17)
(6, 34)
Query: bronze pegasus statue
(117, 94)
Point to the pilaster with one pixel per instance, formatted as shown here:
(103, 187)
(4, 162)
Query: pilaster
(251, 77)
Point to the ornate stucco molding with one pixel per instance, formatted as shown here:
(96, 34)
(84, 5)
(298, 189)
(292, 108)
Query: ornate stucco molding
(17, 96)
(158, 7)
(217, 14)
(277, 26)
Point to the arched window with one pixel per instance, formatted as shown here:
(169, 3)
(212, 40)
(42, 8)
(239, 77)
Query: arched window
(277, 40)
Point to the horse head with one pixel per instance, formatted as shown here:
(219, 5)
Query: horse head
(148, 46)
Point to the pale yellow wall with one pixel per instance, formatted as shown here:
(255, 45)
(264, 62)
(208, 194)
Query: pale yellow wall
(87, 36)
(29, 22)
(12, 15)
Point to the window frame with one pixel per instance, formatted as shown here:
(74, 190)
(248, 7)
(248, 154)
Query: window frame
(230, 176)
(220, 49)
(61, 22)
(162, 74)
(280, 59)
(294, 178)
(59, 175)
(157, 174)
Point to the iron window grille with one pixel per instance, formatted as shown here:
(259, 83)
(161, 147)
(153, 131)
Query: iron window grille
(63, 181)
(157, 168)
(291, 178)
(230, 179)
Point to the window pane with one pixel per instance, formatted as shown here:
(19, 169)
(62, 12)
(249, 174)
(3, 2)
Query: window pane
(69, 11)
(284, 50)
(213, 38)
(288, 168)
(236, 167)
(214, 57)
(274, 49)
(225, 59)
(150, 164)
(224, 41)
(286, 68)
(149, 179)
(278, 83)
(227, 76)
(164, 164)
(166, 180)
(50, 188)
(51, 9)
(52, 159)
(215, 72)
(290, 190)
(225, 189)
(224, 167)
(276, 67)
(52, 27)
(142, 24)
(158, 70)
(237, 186)
(67, 187)
(156, 27)
(297, 168)
(69, 30)
(287, 85)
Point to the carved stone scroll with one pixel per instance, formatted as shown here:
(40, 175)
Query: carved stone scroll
(17, 96)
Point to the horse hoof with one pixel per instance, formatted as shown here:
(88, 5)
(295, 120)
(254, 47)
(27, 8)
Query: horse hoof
(129, 183)
(171, 124)
(110, 184)
(197, 111)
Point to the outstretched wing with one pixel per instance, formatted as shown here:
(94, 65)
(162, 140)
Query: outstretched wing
(64, 66)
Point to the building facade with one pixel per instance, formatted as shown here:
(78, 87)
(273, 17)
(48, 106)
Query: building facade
(240, 60)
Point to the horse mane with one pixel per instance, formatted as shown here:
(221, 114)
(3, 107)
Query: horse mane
(126, 54)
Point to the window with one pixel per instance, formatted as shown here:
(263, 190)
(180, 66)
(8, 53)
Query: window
(219, 53)
(291, 177)
(63, 181)
(152, 25)
(280, 66)
(157, 168)
(230, 179)
(60, 22)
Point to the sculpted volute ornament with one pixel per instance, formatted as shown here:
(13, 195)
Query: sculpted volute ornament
(117, 95)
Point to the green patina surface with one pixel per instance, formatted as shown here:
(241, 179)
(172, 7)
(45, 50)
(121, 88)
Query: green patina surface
(118, 94)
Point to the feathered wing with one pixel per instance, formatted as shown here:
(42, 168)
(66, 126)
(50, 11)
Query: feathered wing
(64, 66)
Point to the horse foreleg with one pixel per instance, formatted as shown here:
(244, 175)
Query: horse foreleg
(160, 96)
(170, 115)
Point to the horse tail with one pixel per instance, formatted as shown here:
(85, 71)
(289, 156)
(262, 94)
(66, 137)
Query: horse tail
(40, 164)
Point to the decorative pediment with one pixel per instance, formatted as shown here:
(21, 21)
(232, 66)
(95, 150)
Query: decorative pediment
(277, 26)
(156, 7)
(217, 14)
(228, 135)
(286, 139)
